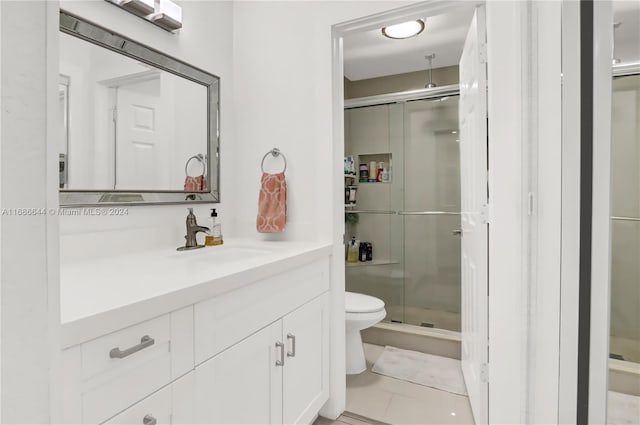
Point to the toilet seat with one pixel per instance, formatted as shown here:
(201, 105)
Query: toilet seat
(361, 303)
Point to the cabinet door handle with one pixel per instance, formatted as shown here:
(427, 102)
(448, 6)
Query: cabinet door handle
(292, 353)
(145, 341)
(149, 420)
(281, 361)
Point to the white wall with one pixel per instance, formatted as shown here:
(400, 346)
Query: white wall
(29, 258)
(205, 42)
(282, 69)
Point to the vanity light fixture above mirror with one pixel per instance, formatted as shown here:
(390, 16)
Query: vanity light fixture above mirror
(164, 13)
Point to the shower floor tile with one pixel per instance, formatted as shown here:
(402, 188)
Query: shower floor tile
(398, 402)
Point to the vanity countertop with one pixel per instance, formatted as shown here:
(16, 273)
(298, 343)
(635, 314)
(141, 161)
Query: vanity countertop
(99, 296)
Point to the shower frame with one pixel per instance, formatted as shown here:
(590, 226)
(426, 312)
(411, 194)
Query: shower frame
(404, 96)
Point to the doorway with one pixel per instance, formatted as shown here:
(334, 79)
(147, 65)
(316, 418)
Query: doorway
(416, 232)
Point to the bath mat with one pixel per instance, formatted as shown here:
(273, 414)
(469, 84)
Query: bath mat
(432, 371)
(623, 409)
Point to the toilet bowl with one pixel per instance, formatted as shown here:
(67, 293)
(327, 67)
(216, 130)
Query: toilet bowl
(362, 312)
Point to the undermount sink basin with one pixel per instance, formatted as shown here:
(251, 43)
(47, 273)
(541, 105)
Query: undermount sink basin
(221, 254)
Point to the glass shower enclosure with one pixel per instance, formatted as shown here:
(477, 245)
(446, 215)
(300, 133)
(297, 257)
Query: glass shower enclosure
(625, 220)
(413, 218)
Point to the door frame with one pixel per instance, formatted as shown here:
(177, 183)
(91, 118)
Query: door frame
(508, 229)
(584, 353)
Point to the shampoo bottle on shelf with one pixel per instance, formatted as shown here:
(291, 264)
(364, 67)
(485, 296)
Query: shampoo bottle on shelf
(216, 228)
(352, 250)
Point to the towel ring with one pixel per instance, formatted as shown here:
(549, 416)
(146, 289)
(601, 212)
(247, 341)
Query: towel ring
(200, 158)
(276, 153)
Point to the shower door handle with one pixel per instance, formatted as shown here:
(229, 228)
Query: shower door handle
(456, 232)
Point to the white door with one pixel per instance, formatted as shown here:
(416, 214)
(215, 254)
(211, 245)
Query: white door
(305, 381)
(139, 136)
(243, 384)
(474, 194)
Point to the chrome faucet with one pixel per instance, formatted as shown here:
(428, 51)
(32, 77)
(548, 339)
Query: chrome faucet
(192, 231)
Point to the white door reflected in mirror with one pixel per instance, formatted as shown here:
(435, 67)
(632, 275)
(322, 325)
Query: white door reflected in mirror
(128, 126)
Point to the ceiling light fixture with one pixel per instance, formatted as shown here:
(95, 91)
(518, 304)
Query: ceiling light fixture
(404, 30)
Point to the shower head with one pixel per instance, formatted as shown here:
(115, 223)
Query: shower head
(430, 84)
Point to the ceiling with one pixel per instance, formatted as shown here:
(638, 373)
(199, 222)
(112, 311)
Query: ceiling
(369, 54)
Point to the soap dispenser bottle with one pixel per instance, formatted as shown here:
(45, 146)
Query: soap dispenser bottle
(216, 228)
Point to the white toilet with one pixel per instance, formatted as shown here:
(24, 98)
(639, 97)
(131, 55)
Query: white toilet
(362, 311)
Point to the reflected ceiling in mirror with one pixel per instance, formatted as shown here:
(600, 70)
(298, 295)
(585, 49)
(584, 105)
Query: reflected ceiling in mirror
(138, 126)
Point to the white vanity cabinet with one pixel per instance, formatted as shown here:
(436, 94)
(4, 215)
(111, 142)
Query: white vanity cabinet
(254, 352)
(277, 375)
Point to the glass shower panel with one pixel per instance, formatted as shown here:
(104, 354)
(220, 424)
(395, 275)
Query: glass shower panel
(374, 134)
(432, 213)
(625, 223)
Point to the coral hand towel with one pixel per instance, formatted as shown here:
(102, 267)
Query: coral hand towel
(195, 184)
(272, 204)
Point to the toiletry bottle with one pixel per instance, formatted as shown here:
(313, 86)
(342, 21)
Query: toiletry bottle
(352, 194)
(380, 171)
(216, 228)
(362, 252)
(364, 172)
(373, 168)
(385, 175)
(352, 251)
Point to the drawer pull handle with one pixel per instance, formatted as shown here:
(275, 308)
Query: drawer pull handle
(292, 353)
(149, 420)
(281, 361)
(145, 341)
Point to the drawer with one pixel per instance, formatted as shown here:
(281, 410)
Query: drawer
(173, 404)
(115, 371)
(153, 410)
(127, 349)
(226, 319)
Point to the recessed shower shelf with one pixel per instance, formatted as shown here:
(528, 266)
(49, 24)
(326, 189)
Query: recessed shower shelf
(371, 263)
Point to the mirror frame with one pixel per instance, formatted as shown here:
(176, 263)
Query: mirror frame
(81, 28)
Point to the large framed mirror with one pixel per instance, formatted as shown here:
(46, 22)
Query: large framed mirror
(139, 127)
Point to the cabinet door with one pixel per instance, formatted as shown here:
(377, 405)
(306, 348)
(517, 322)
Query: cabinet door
(243, 384)
(306, 370)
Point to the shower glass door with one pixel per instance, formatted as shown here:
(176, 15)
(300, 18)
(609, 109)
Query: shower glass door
(413, 219)
(432, 213)
(373, 135)
(625, 220)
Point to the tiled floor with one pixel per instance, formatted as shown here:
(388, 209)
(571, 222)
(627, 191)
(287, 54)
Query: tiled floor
(397, 402)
